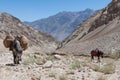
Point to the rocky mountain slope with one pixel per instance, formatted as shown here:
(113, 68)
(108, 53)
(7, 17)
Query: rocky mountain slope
(37, 40)
(99, 31)
(62, 24)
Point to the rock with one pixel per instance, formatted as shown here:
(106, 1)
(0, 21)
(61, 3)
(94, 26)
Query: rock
(48, 64)
(58, 57)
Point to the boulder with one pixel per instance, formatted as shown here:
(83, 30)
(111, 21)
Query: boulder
(48, 64)
(58, 57)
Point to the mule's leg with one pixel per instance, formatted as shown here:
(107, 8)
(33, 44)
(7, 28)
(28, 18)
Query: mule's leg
(17, 59)
(19, 55)
(98, 58)
(92, 57)
(14, 58)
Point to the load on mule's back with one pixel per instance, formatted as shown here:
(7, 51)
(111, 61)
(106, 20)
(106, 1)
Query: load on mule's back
(24, 42)
(8, 40)
(16, 44)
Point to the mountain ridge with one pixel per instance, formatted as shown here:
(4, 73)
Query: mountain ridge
(62, 24)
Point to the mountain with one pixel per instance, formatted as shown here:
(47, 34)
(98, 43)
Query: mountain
(102, 30)
(37, 39)
(62, 24)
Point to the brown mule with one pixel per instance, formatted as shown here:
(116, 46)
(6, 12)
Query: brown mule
(96, 54)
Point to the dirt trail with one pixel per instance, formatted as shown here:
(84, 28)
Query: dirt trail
(46, 67)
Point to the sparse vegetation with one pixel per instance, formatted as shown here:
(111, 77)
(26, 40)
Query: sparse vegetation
(8, 68)
(32, 58)
(115, 55)
(37, 53)
(75, 64)
(28, 61)
(101, 78)
(63, 77)
(52, 74)
(70, 72)
(95, 68)
(109, 68)
(50, 58)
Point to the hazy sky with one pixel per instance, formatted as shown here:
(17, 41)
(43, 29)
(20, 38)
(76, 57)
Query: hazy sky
(30, 10)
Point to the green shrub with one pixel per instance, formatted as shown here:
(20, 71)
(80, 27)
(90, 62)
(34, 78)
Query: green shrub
(75, 65)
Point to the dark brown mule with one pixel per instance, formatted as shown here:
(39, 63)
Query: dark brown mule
(96, 54)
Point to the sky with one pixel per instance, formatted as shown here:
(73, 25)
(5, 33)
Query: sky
(31, 10)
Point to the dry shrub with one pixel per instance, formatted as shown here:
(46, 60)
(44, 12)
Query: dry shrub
(32, 58)
(52, 74)
(101, 78)
(115, 55)
(76, 64)
(63, 77)
(109, 68)
(93, 67)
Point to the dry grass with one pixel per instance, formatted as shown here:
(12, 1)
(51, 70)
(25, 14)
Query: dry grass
(101, 78)
(32, 58)
(51, 58)
(70, 72)
(76, 64)
(115, 55)
(93, 67)
(52, 74)
(63, 77)
(109, 68)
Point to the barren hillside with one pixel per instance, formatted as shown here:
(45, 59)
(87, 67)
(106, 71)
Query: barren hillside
(102, 30)
(38, 41)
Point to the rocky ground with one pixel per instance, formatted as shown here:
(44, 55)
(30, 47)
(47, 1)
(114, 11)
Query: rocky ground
(38, 66)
